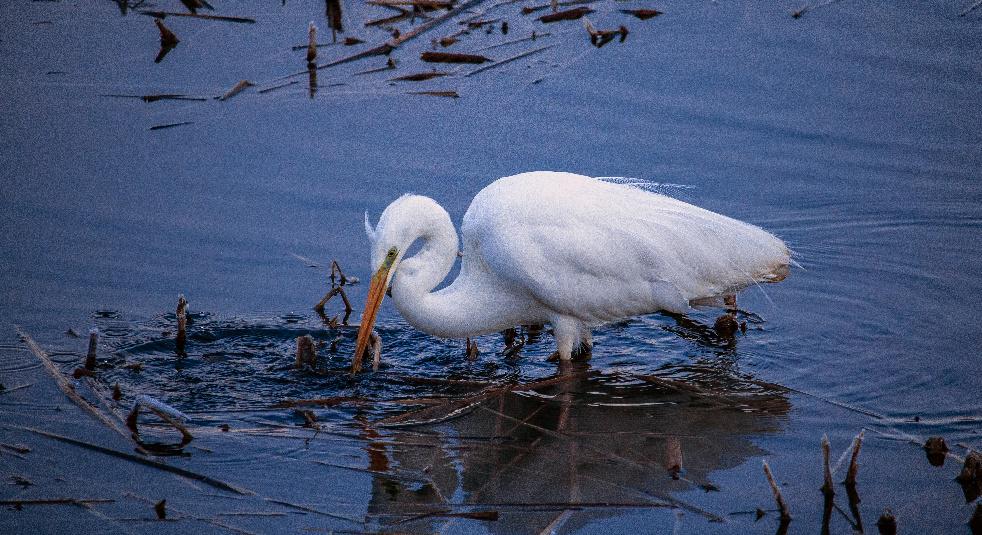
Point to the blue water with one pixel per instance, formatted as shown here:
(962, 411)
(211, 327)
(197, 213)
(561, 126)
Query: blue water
(852, 132)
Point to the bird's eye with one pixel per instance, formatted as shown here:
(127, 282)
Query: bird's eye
(392, 253)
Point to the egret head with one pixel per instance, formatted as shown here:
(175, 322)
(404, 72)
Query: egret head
(402, 223)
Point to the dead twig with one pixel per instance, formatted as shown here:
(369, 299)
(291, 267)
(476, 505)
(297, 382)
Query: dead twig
(827, 487)
(570, 14)
(165, 14)
(781, 504)
(82, 502)
(238, 88)
(508, 60)
(66, 387)
(857, 445)
(449, 57)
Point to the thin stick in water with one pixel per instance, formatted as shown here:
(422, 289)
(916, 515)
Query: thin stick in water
(781, 504)
(857, 446)
(827, 487)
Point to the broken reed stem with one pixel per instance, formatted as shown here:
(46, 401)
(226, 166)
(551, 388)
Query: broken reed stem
(375, 344)
(781, 504)
(857, 445)
(311, 45)
(827, 486)
(66, 387)
(57, 501)
(305, 352)
(90, 358)
(182, 324)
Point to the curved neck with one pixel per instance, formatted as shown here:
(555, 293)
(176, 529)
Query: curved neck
(417, 276)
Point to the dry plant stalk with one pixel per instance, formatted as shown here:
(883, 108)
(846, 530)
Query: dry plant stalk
(306, 357)
(238, 88)
(673, 457)
(375, 345)
(471, 349)
(311, 45)
(182, 324)
(332, 10)
(781, 504)
(90, 358)
(827, 487)
(167, 37)
(857, 445)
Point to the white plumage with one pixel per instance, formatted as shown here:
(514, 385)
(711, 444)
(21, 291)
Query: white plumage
(564, 249)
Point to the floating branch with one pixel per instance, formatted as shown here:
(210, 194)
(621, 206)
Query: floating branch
(419, 77)
(431, 4)
(508, 60)
(170, 125)
(165, 14)
(82, 502)
(448, 57)
(90, 358)
(857, 445)
(239, 87)
(643, 14)
(66, 387)
(570, 14)
(781, 504)
(447, 94)
(390, 64)
(554, 6)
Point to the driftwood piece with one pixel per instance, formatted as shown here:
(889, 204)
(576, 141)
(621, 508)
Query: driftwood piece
(449, 57)
(570, 14)
(642, 14)
(66, 387)
(778, 497)
(165, 14)
(238, 88)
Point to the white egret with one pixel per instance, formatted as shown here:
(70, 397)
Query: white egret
(559, 248)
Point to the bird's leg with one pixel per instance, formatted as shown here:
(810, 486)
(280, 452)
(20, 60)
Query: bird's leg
(585, 350)
(566, 331)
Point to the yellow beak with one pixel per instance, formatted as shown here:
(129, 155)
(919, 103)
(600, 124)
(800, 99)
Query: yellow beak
(376, 292)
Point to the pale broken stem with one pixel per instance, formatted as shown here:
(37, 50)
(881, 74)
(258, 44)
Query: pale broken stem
(857, 445)
(162, 413)
(311, 44)
(182, 323)
(781, 504)
(827, 487)
(66, 387)
(375, 345)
